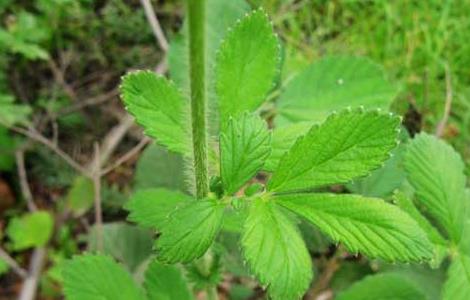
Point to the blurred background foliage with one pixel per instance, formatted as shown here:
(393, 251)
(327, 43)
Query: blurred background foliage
(60, 66)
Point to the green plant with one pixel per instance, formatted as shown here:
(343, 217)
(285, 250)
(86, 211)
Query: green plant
(347, 145)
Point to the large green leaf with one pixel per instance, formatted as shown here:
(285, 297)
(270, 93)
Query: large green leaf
(129, 244)
(30, 230)
(244, 146)
(159, 107)
(98, 277)
(164, 282)
(190, 231)
(282, 140)
(435, 171)
(334, 83)
(347, 145)
(276, 252)
(150, 207)
(246, 65)
(457, 286)
(387, 286)
(366, 225)
(158, 167)
(220, 16)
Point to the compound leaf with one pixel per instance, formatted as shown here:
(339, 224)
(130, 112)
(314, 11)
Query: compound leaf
(347, 145)
(246, 65)
(190, 231)
(435, 171)
(164, 282)
(276, 251)
(151, 207)
(366, 225)
(334, 83)
(244, 146)
(98, 277)
(159, 107)
(457, 286)
(384, 286)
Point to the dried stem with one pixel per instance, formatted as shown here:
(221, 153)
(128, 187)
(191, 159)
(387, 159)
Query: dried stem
(154, 24)
(448, 104)
(25, 190)
(97, 189)
(128, 155)
(13, 264)
(30, 285)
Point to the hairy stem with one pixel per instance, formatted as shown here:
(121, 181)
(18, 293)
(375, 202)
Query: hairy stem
(196, 16)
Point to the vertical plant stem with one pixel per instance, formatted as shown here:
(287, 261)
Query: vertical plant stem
(197, 58)
(97, 189)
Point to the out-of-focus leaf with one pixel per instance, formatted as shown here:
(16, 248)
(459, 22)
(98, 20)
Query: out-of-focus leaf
(30, 230)
(382, 287)
(334, 83)
(158, 167)
(128, 244)
(80, 197)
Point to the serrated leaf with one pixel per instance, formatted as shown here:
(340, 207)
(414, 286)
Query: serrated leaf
(385, 286)
(81, 195)
(159, 168)
(435, 171)
(276, 252)
(30, 230)
(457, 286)
(334, 83)
(190, 231)
(366, 225)
(12, 113)
(126, 243)
(244, 146)
(159, 107)
(151, 207)
(347, 145)
(164, 282)
(246, 65)
(98, 277)
(282, 140)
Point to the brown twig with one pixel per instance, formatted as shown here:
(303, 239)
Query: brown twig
(30, 285)
(59, 77)
(128, 155)
(332, 265)
(448, 104)
(97, 189)
(13, 264)
(114, 137)
(35, 136)
(155, 25)
(25, 190)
